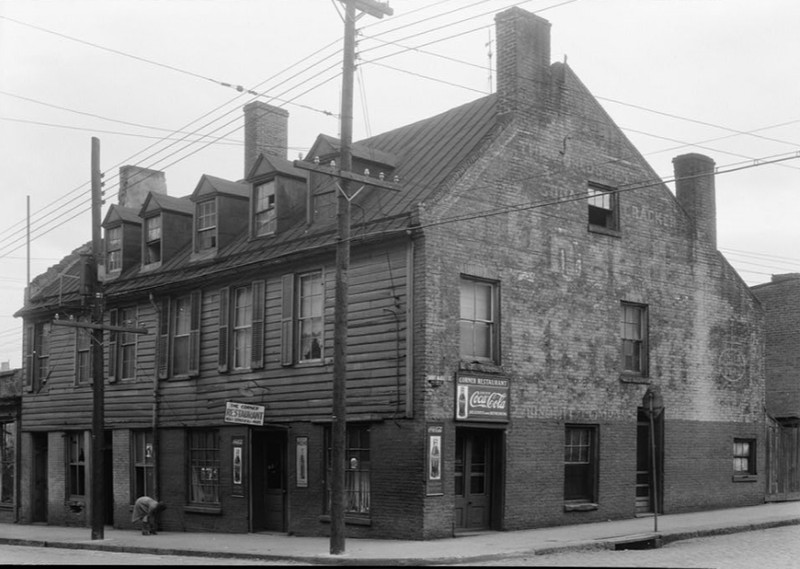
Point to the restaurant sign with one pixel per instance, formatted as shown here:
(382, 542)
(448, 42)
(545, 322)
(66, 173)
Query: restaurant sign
(481, 398)
(244, 413)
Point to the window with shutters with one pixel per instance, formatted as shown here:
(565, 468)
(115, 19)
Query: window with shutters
(302, 318)
(179, 336)
(37, 356)
(241, 327)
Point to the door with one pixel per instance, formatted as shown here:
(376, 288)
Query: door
(649, 486)
(473, 480)
(269, 481)
(108, 479)
(39, 501)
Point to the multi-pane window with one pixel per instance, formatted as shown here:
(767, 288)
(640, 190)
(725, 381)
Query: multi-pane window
(265, 218)
(242, 326)
(744, 456)
(76, 464)
(143, 464)
(152, 231)
(634, 338)
(309, 317)
(603, 210)
(122, 345)
(357, 470)
(580, 463)
(478, 320)
(182, 318)
(204, 463)
(83, 355)
(207, 225)
(113, 249)
(7, 460)
(37, 355)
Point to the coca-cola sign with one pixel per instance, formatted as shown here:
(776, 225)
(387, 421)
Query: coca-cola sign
(481, 398)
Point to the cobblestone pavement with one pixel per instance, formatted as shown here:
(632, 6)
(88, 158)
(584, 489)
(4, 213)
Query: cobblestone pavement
(776, 548)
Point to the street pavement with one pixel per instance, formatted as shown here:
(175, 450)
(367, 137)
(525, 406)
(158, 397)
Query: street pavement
(473, 548)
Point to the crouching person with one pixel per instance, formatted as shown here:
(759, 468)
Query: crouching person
(147, 510)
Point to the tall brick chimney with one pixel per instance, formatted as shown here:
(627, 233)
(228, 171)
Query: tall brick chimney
(136, 182)
(266, 130)
(694, 188)
(523, 59)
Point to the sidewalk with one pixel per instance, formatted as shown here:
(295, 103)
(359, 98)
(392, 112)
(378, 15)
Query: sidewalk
(466, 549)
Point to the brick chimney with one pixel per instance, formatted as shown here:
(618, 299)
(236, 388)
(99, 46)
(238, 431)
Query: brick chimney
(523, 59)
(694, 188)
(136, 182)
(266, 130)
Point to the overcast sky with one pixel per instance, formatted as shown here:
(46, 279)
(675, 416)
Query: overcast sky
(149, 78)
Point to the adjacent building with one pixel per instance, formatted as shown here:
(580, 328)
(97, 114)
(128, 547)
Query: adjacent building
(780, 299)
(540, 332)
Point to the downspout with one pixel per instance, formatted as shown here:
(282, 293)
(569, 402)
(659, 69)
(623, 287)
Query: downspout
(155, 403)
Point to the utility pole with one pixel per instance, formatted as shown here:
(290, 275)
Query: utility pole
(339, 428)
(98, 406)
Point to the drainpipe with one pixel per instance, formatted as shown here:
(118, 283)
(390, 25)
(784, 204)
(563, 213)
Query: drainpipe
(156, 491)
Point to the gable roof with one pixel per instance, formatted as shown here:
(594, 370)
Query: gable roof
(163, 202)
(211, 185)
(266, 164)
(117, 213)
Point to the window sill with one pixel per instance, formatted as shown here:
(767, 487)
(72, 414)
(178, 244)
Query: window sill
(580, 507)
(745, 477)
(634, 378)
(604, 230)
(481, 367)
(348, 519)
(208, 510)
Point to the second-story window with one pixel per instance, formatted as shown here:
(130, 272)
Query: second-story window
(478, 321)
(83, 356)
(182, 327)
(114, 249)
(634, 339)
(37, 355)
(178, 340)
(302, 318)
(241, 327)
(152, 239)
(122, 345)
(207, 225)
(265, 218)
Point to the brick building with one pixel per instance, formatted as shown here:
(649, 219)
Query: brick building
(780, 299)
(514, 310)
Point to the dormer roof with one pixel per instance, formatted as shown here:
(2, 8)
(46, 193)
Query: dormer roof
(124, 214)
(161, 202)
(211, 186)
(266, 164)
(326, 145)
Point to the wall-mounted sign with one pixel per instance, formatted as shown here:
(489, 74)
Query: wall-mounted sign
(481, 398)
(302, 462)
(244, 413)
(237, 467)
(435, 459)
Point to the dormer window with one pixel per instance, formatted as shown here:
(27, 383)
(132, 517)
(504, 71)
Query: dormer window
(114, 249)
(207, 225)
(265, 218)
(152, 239)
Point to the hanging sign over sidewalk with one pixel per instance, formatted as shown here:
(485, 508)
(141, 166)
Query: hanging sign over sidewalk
(244, 413)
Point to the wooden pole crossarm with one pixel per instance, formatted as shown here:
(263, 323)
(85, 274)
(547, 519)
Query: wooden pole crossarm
(373, 8)
(99, 327)
(360, 178)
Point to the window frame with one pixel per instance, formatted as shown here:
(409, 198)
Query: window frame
(37, 356)
(241, 327)
(75, 465)
(631, 346)
(472, 320)
(206, 225)
(265, 215)
(356, 504)
(142, 465)
(122, 346)
(610, 212)
(229, 327)
(152, 243)
(8, 455)
(204, 459)
(749, 455)
(83, 356)
(113, 241)
(589, 466)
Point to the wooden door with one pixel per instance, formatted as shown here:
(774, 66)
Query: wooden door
(473, 480)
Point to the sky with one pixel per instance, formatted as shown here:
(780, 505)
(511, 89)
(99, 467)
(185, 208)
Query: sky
(162, 83)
